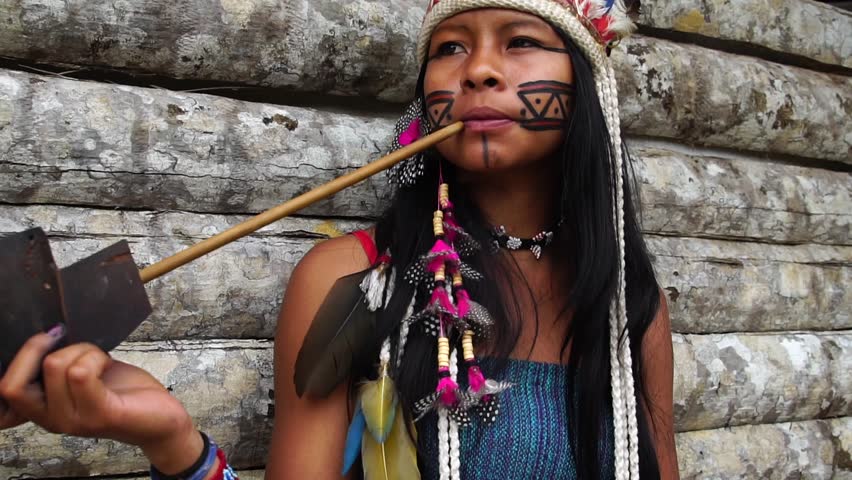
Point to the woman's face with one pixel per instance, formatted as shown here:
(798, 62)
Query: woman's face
(507, 75)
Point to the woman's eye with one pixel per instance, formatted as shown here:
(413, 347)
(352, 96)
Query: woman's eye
(523, 42)
(448, 48)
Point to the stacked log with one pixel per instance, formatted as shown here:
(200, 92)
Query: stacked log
(739, 122)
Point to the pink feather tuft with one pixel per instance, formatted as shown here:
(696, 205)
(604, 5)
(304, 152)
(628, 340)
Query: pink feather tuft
(440, 246)
(440, 297)
(411, 133)
(448, 390)
(452, 258)
(441, 253)
(462, 303)
(475, 378)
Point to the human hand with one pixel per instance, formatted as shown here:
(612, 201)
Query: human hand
(86, 393)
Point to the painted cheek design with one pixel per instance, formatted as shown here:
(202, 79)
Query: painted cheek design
(546, 103)
(438, 107)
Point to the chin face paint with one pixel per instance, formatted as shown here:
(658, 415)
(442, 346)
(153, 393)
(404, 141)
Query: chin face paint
(546, 103)
(486, 159)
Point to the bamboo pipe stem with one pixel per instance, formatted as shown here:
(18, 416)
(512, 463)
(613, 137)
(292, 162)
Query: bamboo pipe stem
(288, 208)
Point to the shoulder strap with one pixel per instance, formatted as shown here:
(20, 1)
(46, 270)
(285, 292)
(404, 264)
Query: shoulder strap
(368, 245)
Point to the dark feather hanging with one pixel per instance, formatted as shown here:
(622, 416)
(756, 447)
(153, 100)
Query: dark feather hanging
(342, 335)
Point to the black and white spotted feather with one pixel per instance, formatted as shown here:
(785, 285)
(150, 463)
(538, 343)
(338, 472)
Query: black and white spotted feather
(408, 171)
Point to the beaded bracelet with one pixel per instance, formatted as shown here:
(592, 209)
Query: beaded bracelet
(203, 466)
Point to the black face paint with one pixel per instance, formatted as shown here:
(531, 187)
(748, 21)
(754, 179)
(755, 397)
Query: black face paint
(485, 157)
(554, 49)
(546, 103)
(438, 106)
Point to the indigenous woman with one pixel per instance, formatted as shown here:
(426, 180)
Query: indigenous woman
(501, 320)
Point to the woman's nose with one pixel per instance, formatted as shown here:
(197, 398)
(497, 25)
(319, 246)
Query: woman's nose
(483, 71)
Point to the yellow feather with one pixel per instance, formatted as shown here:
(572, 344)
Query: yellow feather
(396, 458)
(379, 401)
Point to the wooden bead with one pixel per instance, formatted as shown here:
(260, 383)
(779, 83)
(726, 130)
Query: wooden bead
(444, 195)
(438, 223)
(443, 352)
(441, 275)
(457, 279)
(467, 345)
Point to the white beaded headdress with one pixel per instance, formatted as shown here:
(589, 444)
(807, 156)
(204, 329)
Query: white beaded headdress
(595, 26)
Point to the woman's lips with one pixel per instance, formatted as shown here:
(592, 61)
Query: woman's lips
(484, 125)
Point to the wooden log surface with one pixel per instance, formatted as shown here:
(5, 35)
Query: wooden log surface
(705, 97)
(109, 145)
(667, 89)
(692, 192)
(819, 449)
(83, 143)
(748, 379)
(717, 286)
(712, 286)
(809, 29)
(348, 47)
(226, 386)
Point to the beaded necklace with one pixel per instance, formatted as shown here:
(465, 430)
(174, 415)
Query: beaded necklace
(501, 239)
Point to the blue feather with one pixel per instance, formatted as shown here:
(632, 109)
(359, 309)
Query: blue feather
(609, 4)
(353, 439)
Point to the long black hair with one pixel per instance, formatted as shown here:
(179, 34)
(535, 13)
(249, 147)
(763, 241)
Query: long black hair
(585, 251)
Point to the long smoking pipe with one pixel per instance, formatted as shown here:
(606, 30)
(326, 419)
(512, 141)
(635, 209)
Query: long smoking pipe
(291, 206)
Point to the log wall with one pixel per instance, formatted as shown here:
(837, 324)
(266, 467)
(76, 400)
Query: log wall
(740, 121)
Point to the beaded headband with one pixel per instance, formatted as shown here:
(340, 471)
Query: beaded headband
(605, 21)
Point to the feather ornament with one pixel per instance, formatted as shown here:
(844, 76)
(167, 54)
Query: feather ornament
(465, 244)
(448, 392)
(396, 457)
(441, 298)
(411, 133)
(469, 273)
(478, 319)
(341, 335)
(475, 378)
(353, 440)
(462, 303)
(439, 255)
(375, 284)
(379, 404)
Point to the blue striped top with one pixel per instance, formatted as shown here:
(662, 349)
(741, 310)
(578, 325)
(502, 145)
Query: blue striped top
(529, 440)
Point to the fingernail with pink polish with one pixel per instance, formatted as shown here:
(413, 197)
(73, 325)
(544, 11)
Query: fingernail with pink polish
(57, 332)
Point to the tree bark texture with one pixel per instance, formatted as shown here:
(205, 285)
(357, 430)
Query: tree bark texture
(703, 97)
(809, 29)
